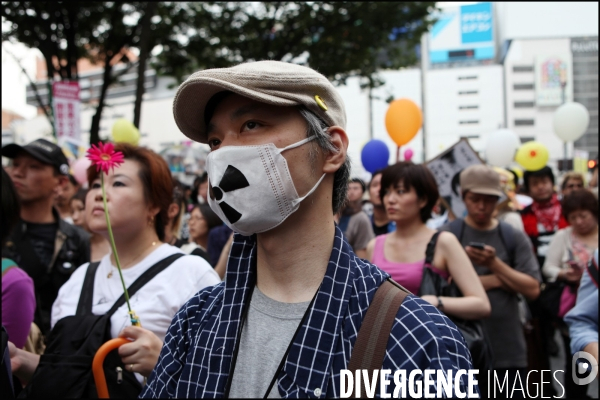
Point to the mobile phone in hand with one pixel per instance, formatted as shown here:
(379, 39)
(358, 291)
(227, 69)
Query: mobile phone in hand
(477, 245)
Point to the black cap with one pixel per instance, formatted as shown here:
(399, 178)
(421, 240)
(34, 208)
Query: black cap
(42, 150)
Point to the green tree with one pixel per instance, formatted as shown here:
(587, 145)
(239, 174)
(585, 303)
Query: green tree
(339, 39)
(159, 23)
(65, 32)
(53, 28)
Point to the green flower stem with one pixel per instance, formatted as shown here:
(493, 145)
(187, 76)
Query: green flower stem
(114, 247)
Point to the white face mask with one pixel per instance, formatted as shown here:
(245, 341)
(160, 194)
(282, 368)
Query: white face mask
(250, 187)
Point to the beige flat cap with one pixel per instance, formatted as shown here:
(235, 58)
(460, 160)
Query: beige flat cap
(480, 179)
(272, 82)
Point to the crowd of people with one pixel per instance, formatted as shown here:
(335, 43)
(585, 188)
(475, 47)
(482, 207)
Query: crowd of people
(275, 309)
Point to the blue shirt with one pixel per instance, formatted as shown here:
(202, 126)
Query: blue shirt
(583, 318)
(217, 238)
(196, 358)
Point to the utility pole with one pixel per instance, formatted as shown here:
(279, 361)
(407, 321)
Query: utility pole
(424, 67)
(563, 85)
(370, 113)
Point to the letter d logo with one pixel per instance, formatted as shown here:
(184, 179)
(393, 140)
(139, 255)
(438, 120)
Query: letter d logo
(581, 364)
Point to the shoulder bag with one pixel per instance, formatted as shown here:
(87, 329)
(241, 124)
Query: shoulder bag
(371, 342)
(65, 369)
(473, 331)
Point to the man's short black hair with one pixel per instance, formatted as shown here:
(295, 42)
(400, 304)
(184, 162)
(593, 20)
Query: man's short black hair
(540, 173)
(212, 104)
(373, 175)
(73, 180)
(358, 180)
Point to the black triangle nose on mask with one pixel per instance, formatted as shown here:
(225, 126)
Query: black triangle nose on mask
(232, 179)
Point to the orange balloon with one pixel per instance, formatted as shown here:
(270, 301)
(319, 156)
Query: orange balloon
(403, 120)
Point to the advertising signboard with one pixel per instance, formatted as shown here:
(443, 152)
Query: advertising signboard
(553, 76)
(463, 33)
(65, 102)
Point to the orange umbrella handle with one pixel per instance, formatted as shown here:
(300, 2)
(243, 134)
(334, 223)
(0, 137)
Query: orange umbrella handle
(98, 364)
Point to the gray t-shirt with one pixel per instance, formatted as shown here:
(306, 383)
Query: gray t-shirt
(268, 329)
(359, 231)
(503, 326)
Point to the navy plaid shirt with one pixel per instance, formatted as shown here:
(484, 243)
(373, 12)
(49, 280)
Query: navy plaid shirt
(196, 358)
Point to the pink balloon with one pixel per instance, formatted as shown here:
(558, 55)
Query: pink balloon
(408, 154)
(79, 168)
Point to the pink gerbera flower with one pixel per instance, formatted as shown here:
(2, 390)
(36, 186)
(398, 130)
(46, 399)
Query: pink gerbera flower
(104, 157)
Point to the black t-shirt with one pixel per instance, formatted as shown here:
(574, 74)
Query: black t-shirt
(380, 230)
(42, 237)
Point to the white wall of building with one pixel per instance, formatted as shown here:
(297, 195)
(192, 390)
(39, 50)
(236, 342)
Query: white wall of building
(462, 102)
(14, 80)
(523, 53)
(356, 102)
(531, 20)
(404, 83)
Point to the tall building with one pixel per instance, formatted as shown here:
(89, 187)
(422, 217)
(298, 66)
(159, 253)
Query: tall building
(464, 96)
(585, 88)
(465, 102)
(527, 65)
(550, 55)
(538, 79)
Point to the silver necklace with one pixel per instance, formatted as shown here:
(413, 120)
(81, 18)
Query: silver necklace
(112, 267)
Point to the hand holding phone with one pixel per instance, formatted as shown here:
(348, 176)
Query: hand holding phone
(477, 245)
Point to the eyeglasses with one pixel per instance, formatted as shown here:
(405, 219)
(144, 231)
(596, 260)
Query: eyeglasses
(575, 186)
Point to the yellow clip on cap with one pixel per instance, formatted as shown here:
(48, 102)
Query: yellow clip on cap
(320, 102)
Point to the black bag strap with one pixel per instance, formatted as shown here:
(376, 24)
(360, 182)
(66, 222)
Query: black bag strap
(430, 250)
(146, 277)
(507, 238)
(87, 290)
(371, 341)
(457, 227)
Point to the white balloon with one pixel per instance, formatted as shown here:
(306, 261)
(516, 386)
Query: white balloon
(501, 147)
(571, 120)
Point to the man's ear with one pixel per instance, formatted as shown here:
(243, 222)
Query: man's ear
(339, 139)
(61, 183)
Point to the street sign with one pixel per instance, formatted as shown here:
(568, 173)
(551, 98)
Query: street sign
(65, 101)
